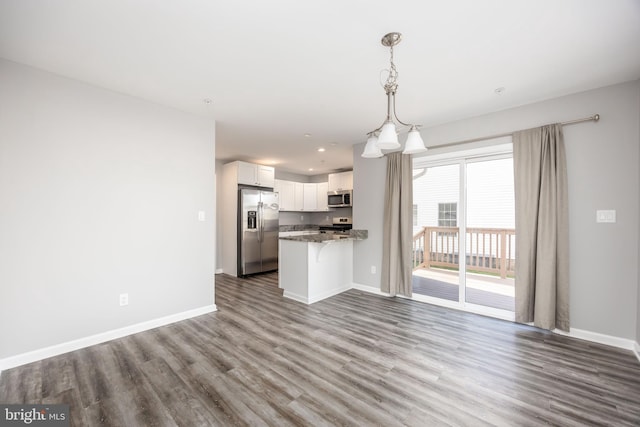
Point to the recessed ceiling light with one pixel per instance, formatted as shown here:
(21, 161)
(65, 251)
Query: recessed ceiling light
(310, 169)
(500, 90)
(333, 144)
(207, 101)
(321, 150)
(307, 135)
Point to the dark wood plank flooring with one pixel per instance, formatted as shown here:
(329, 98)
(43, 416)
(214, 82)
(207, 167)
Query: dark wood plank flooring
(353, 359)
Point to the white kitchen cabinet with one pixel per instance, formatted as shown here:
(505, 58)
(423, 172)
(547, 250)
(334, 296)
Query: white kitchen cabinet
(302, 197)
(277, 188)
(340, 181)
(266, 176)
(310, 197)
(252, 174)
(323, 188)
(286, 190)
(298, 189)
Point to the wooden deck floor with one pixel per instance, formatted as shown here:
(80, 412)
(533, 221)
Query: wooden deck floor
(481, 289)
(353, 359)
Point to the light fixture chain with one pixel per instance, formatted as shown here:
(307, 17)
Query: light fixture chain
(392, 80)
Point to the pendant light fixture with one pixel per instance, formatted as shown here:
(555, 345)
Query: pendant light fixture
(386, 136)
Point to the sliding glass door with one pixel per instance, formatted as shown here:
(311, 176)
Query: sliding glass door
(464, 236)
(436, 192)
(490, 233)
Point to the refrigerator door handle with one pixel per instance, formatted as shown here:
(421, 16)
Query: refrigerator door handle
(260, 222)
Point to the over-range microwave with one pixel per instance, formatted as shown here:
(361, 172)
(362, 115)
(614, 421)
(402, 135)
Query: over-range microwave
(340, 199)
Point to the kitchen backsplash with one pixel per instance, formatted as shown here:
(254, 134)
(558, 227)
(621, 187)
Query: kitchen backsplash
(316, 218)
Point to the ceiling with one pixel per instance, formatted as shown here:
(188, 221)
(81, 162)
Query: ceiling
(277, 70)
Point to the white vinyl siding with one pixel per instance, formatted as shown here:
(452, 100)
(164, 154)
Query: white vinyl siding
(489, 200)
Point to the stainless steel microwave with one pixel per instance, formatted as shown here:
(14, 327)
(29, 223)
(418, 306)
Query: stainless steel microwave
(340, 199)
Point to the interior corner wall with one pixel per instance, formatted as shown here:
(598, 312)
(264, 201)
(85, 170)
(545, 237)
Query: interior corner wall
(100, 196)
(219, 209)
(369, 176)
(603, 173)
(638, 306)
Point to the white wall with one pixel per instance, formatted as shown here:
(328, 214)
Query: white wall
(603, 174)
(369, 176)
(219, 209)
(638, 307)
(100, 194)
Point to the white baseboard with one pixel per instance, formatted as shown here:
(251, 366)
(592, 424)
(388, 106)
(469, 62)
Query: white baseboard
(219, 271)
(329, 293)
(54, 350)
(636, 350)
(318, 297)
(599, 338)
(370, 289)
(295, 297)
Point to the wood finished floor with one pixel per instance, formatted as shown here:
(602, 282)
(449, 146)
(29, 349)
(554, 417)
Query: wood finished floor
(353, 359)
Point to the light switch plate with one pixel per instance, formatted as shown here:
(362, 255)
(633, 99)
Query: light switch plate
(200, 215)
(606, 216)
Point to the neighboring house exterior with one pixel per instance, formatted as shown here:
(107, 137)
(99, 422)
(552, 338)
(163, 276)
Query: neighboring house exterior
(490, 200)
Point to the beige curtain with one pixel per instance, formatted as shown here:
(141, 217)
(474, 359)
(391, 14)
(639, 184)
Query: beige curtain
(398, 223)
(542, 229)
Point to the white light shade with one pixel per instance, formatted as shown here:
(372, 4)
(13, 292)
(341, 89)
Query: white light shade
(414, 144)
(371, 150)
(388, 139)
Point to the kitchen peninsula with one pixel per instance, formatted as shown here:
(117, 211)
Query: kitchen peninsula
(316, 266)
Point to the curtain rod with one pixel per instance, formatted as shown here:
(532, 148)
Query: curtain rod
(593, 118)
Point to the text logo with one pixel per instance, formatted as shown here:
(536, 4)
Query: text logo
(34, 415)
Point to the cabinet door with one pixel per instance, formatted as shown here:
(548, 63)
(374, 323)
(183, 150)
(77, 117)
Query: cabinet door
(277, 188)
(287, 196)
(247, 173)
(334, 182)
(347, 181)
(341, 181)
(322, 196)
(298, 190)
(310, 197)
(266, 175)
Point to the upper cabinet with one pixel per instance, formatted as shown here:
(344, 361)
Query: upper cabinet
(302, 197)
(252, 174)
(323, 188)
(266, 176)
(310, 197)
(298, 196)
(286, 190)
(341, 181)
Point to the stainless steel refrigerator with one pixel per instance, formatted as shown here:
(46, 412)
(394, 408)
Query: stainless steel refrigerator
(258, 227)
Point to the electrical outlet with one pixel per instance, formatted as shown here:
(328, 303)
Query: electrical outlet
(200, 215)
(373, 269)
(301, 217)
(124, 299)
(606, 216)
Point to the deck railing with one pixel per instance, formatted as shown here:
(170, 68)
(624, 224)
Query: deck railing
(489, 250)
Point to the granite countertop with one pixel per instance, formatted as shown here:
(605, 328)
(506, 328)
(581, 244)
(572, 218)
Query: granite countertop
(299, 227)
(328, 237)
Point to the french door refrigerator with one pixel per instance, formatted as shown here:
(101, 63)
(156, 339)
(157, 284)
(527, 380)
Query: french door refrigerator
(257, 231)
